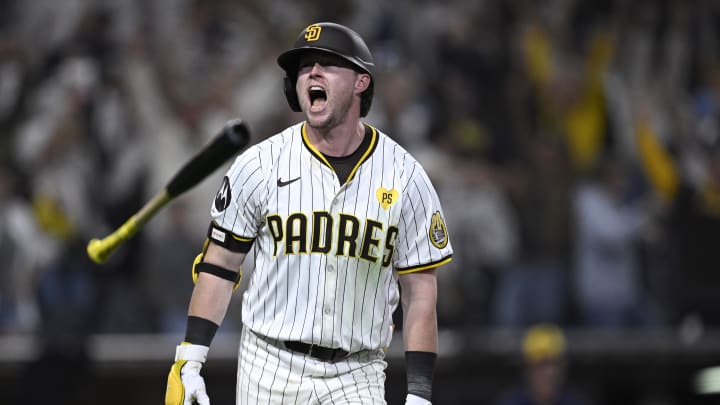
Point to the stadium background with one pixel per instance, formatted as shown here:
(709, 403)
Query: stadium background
(524, 112)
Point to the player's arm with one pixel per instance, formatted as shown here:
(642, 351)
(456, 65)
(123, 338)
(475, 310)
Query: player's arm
(425, 247)
(212, 292)
(218, 273)
(420, 332)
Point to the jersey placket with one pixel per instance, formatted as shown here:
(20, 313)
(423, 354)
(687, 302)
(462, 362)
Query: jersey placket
(332, 192)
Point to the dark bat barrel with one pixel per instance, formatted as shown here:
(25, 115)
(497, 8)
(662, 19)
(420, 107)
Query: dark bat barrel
(234, 136)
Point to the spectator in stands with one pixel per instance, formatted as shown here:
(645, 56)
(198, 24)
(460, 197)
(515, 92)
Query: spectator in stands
(608, 280)
(534, 288)
(24, 249)
(675, 127)
(478, 211)
(693, 219)
(545, 381)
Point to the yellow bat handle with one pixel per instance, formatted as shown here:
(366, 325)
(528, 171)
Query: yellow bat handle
(100, 249)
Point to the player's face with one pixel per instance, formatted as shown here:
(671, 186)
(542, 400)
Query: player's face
(328, 89)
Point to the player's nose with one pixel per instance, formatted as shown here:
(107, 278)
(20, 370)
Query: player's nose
(316, 68)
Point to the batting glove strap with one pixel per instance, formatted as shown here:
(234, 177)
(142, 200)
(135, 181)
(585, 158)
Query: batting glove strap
(187, 351)
(416, 400)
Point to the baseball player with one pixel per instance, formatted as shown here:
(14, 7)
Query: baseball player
(343, 224)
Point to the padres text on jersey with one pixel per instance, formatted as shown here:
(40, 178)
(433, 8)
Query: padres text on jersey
(342, 246)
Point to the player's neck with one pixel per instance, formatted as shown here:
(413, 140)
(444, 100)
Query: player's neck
(341, 140)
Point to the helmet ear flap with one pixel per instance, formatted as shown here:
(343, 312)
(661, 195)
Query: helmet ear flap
(291, 94)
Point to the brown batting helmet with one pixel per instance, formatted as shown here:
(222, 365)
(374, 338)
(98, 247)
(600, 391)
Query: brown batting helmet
(334, 39)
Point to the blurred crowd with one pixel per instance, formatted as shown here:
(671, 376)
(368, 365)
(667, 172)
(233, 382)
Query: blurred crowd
(575, 146)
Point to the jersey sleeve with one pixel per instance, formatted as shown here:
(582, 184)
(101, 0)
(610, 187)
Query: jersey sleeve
(423, 242)
(237, 206)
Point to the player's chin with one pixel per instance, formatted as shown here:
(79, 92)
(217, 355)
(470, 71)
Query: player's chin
(318, 121)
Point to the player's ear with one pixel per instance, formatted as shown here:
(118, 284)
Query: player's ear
(362, 82)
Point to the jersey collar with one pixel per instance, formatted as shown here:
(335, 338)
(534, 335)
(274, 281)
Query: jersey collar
(319, 156)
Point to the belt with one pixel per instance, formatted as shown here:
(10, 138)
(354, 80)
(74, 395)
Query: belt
(319, 352)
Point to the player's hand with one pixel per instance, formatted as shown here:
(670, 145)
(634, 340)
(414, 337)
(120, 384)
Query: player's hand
(185, 385)
(416, 400)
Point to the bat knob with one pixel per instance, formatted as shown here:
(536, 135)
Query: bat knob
(96, 252)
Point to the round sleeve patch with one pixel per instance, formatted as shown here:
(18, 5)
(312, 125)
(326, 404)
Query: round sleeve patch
(438, 231)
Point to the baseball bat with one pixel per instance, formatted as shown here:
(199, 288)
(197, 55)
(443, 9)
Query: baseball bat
(234, 136)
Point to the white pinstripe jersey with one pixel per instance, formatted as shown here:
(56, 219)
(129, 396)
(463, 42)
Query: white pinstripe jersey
(327, 255)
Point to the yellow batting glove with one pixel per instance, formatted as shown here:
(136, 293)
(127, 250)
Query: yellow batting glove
(185, 384)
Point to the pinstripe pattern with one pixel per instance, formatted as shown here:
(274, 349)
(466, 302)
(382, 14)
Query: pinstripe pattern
(269, 374)
(327, 255)
(336, 299)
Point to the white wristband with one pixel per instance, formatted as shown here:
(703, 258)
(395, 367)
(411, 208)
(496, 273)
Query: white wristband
(416, 400)
(191, 352)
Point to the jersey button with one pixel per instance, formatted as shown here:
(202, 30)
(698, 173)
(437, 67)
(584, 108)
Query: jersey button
(331, 268)
(327, 311)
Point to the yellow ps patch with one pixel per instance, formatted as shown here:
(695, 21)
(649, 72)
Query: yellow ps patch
(312, 32)
(438, 231)
(387, 197)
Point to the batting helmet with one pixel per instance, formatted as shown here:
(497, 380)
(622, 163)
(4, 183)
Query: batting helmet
(335, 39)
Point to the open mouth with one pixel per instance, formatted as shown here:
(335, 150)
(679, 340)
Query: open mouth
(317, 96)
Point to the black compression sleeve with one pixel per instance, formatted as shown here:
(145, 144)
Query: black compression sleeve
(420, 367)
(200, 331)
